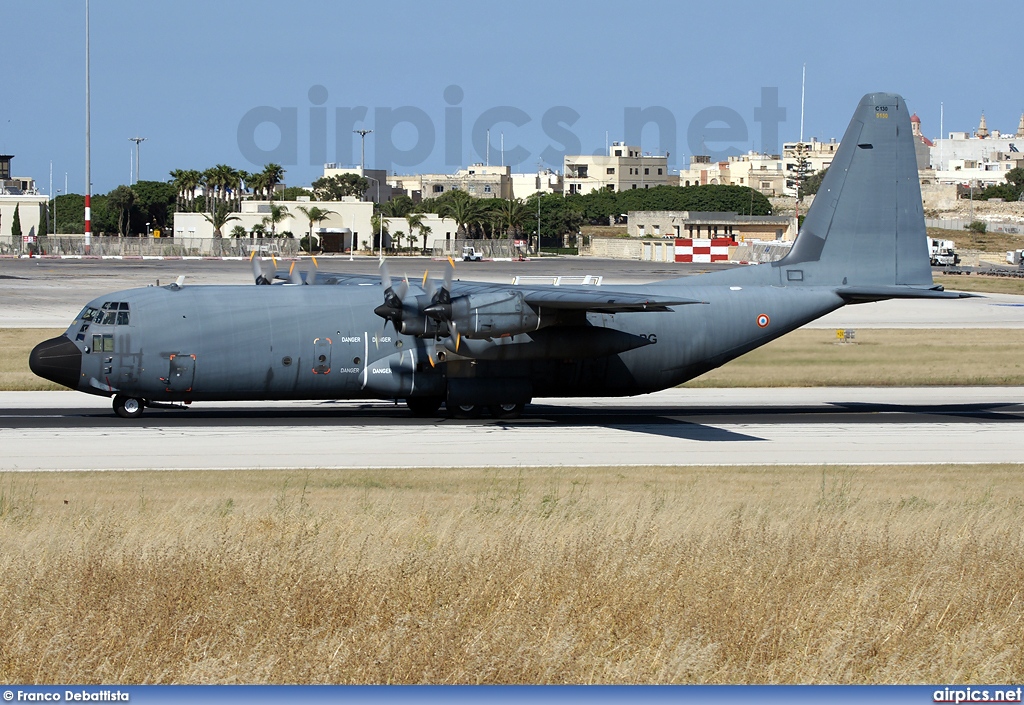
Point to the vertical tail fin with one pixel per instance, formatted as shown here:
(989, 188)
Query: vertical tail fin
(866, 225)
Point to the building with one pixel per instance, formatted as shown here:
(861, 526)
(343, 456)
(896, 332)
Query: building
(19, 194)
(981, 158)
(349, 218)
(623, 168)
(479, 180)
(697, 225)
(545, 181)
(761, 172)
(815, 155)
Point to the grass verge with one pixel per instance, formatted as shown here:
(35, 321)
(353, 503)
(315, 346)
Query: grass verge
(878, 357)
(687, 575)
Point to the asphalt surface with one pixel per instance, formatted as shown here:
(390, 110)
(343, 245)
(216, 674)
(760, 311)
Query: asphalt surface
(826, 426)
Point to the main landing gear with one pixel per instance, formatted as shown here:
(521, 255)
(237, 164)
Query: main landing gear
(428, 406)
(128, 407)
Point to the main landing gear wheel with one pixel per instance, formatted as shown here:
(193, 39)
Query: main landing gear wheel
(464, 411)
(128, 407)
(507, 411)
(423, 406)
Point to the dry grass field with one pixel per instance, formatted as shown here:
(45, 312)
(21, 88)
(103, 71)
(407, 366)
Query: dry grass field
(878, 357)
(689, 575)
(981, 283)
(804, 358)
(15, 346)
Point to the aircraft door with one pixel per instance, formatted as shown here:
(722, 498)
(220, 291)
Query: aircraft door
(322, 355)
(182, 373)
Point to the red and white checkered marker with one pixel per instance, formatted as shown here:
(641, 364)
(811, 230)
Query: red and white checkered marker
(703, 249)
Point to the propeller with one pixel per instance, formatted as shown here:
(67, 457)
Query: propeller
(440, 308)
(257, 270)
(391, 309)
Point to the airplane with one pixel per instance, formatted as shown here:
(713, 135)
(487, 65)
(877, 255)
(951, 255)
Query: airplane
(483, 346)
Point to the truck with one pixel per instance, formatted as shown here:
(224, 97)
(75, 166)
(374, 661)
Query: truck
(471, 254)
(942, 253)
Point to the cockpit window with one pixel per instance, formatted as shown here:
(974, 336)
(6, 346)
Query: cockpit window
(111, 313)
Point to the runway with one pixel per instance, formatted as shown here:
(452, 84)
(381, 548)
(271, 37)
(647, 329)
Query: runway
(828, 426)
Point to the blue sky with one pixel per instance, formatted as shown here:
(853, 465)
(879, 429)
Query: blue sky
(199, 79)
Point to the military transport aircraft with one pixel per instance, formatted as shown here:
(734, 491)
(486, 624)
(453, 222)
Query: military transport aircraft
(475, 346)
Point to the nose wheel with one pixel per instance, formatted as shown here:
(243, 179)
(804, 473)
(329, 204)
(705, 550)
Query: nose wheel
(128, 407)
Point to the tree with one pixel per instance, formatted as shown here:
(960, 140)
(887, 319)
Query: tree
(273, 175)
(334, 188)
(813, 182)
(511, 215)
(425, 231)
(16, 224)
(398, 235)
(414, 221)
(153, 202)
(314, 214)
(463, 209)
(398, 207)
(238, 231)
(276, 215)
(220, 217)
(121, 200)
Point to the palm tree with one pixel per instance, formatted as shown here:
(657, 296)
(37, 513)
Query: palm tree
(220, 217)
(463, 209)
(425, 230)
(238, 231)
(512, 214)
(398, 238)
(191, 180)
(179, 183)
(414, 220)
(315, 214)
(276, 215)
(258, 183)
(274, 174)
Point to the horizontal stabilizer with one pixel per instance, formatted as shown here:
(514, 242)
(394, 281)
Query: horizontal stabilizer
(864, 294)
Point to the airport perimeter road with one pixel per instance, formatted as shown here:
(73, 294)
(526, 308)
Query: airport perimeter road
(43, 293)
(71, 431)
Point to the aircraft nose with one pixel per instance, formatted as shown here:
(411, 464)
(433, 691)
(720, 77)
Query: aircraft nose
(58, 360)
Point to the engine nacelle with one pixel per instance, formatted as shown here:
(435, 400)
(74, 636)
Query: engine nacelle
(493, 314)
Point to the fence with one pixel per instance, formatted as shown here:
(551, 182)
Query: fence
(491, 249)
(962, 223)
(74, 246)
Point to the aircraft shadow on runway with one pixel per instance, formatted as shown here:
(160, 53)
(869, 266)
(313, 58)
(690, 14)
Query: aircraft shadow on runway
(687, 423)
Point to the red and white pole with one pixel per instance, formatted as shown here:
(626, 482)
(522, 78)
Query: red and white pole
(88, 156)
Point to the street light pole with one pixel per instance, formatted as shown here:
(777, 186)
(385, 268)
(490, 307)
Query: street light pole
(380, 216)
(137, 140)
(362, 149)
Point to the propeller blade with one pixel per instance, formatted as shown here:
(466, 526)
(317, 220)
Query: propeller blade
(294, 276)
(257, 270)
(385, 276)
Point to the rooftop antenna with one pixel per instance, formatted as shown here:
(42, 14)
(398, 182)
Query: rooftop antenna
(487, 151)
(137, 141)
(803, 85)
(503, 148)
